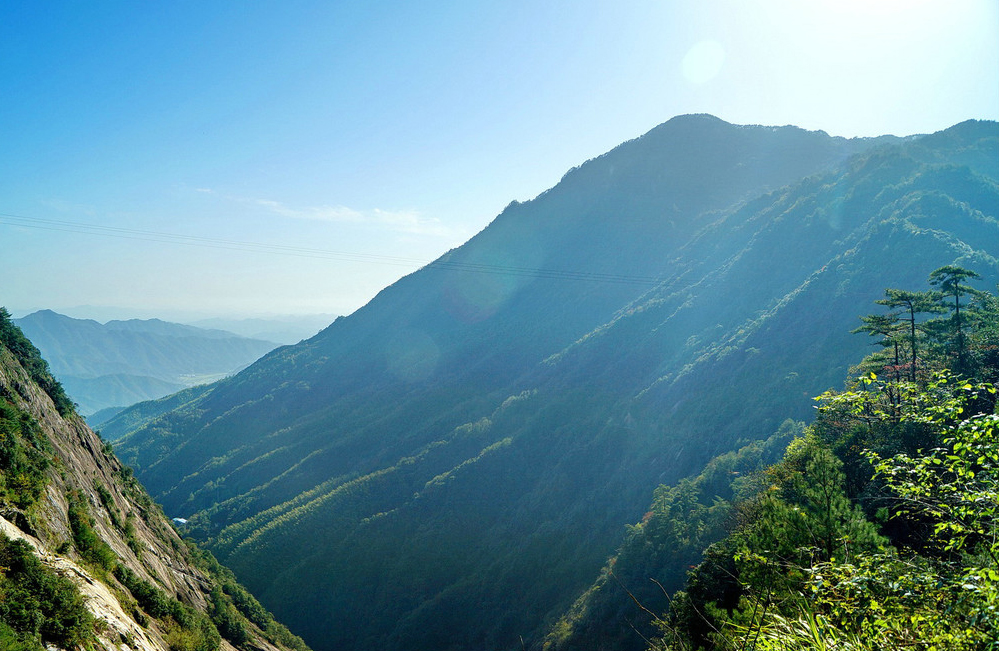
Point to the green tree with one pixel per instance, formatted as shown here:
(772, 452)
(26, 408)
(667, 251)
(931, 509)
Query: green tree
(31, 359)
(800, 520)
(226, 618)
(950, 279)
(948, 596)
(86, 540)
(885, 326)
(957, 484)
(983, 340)
(914, 303)
(894, 598)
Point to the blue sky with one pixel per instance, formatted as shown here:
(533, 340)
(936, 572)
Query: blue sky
(154, 155)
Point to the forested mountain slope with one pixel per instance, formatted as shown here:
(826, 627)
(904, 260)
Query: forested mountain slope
(119, 363)
(87, 560)
(452, 464)
(875, 530)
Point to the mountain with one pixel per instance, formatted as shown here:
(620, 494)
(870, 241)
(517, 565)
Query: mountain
(289, 329)
(88, 560)
(120, 363)
(119, 422)
(796, 529)
(451, 465)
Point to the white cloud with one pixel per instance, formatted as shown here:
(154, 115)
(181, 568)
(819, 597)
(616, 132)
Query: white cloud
(402, 221)
(408, 222)
(316, 213)
(411, 221)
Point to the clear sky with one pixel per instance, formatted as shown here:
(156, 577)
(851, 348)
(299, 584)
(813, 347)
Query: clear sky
(237, 158)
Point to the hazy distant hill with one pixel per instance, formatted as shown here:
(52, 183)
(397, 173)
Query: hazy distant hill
(449, 466)
(119, 363)
(282, 329)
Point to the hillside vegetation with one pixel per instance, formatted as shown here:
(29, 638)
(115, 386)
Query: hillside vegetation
(450, 466)
(873, 530)
(87, 560)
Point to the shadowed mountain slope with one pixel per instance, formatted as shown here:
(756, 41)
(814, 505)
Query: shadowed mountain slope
(450, 465)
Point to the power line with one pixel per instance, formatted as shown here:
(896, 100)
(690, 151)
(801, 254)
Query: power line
(192, 240)
(304, 252)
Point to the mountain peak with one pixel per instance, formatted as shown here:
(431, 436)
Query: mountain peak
(439, 468)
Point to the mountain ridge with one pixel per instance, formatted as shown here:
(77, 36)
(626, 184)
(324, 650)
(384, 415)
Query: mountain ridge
(477, 431)
(122, 362)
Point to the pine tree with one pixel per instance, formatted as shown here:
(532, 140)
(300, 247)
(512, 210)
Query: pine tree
(949, 279)
(914, 303)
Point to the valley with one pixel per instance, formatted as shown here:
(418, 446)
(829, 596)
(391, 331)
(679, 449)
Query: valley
(107, 367)
(504, 326)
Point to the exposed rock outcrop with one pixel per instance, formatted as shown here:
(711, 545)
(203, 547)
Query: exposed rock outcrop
(137, 549)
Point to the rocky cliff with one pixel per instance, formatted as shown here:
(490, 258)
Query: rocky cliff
(109, 571)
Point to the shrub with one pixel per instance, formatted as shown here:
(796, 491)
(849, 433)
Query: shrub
(93, 550)
(28, 356)
(37, 604)
(23, 461)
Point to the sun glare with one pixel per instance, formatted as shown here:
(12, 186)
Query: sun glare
(703, 61)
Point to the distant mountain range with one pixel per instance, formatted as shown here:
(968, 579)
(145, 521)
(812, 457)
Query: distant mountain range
(281, 329)
(105, 367)
(451, 465)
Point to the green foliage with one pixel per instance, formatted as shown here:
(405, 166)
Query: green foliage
(956, 486)
(947, 598)
(107, 501)
(11, 640)
(801, 520)
(24, 457)
(683, 520)
(913, 303)
(130, 538)
(36, 604)
(798, 593)
(226, 618)
(950, 279)
(187, 629)
(806, 568)
(149, 598)
(983, 339)
(192, 632)
(917, 346)
(229, 594)
(28, 356)
(134, 490)
(90, 546)
(125, 526)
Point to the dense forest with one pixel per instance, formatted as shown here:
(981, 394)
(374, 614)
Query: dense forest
(450, 466)
(874, 529)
